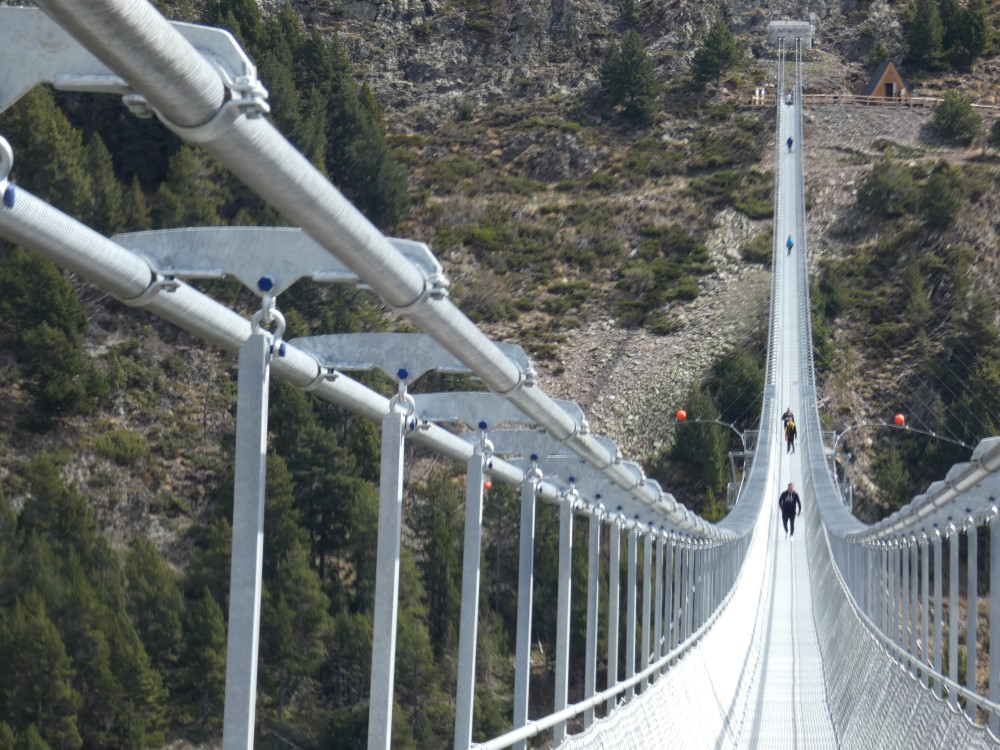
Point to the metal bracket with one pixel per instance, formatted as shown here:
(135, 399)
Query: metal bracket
(57, 58)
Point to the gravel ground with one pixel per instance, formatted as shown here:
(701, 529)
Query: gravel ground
(630, 382)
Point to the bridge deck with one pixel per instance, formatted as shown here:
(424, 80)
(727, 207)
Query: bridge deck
(788, 706)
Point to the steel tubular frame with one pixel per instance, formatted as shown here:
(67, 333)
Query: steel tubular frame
(187, 94)
(693, 573)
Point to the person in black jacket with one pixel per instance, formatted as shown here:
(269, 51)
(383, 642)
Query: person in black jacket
(789, 502)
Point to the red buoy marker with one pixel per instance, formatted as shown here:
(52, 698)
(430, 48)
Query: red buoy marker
(899, 419)
(681, 415)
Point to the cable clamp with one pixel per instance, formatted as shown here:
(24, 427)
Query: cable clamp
(245, 95)
(160, 282)
(324, 375)
(435, 288)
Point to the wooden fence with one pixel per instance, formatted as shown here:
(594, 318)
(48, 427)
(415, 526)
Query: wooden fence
(913, 102)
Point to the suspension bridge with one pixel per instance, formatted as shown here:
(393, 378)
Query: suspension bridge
(734, 635)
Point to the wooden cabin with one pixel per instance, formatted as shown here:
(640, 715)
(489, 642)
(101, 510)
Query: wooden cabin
(886, 83)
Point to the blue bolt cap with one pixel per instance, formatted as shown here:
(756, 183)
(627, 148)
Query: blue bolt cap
(572, 480)
(482, 425)
(534, 456)
(8, 196)
(282, 349)
(265, 283)
(402, 373)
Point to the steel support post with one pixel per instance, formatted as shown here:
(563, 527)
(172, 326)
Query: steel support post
(678, 592)
(894, 592)
(593, 591)
(390, 513)
(614, 603)
(248, 543)
(870, 582)
(938, 620)
(925, 631)
(658, 617)
(688, 591)
(563, 613)
(668, 593)
(630, 613)
(972, 615)
(953, 539)
(647, 606)
(884, 592)
(914, 598)
(700, 555)
(465, 691)
(525, 586)
(994, 619)
(905, 596)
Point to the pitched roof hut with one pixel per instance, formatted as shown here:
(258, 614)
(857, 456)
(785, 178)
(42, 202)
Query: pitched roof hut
(886, 82)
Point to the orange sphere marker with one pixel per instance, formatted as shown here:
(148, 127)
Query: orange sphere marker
(899, 419)
(681, 415)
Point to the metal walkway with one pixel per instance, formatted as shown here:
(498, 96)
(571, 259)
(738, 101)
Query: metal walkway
(788, 701)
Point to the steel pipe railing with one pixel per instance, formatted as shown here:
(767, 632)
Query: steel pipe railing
(132, 40)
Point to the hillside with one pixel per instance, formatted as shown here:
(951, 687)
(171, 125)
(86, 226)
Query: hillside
(624, 255)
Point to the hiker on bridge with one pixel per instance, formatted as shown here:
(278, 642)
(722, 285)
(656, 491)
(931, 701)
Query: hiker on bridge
(786, 418)
(789, 142)
(789, 243)
(791, 432)
(789, 502)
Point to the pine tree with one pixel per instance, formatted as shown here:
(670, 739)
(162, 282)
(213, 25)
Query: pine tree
(41, 315)
(419, 689)
(952, 19)
(977, 29)
(719, 53)
(36, 292)
(37, 674)
(918, 304)
(955, 120)
(209, 565)
(195, 192)
(135, 209)
(704, 445)
(6, 737)
(925, 38)
(32, 740)
(155, 605)
(282, 532)
(938, 202)
(628, 77)
(107, 215)
(59, 513)
(736, 382)
(893, 478)
(203, 684)
(49, 152)
(295, 625)
(438, 527)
